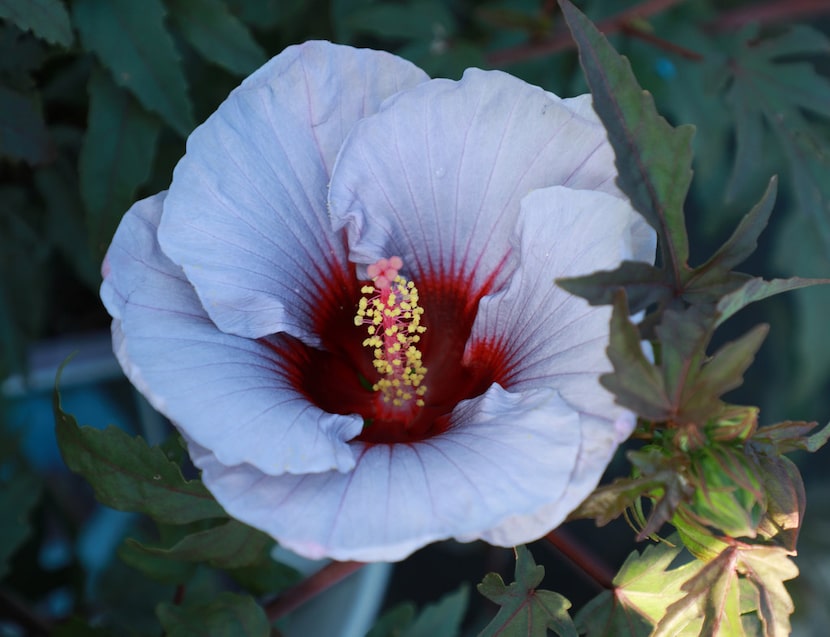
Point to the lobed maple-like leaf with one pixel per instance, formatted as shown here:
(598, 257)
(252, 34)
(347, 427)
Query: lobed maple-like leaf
(525, 611)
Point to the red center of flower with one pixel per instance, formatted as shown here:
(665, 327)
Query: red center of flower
(394, 353)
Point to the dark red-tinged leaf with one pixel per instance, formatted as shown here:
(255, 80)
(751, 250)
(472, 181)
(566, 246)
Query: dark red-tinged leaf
(525, 611)
(217, 34)
(116, 156)
(229, 545)
(790, 435)
(23, 134)
(47, 19)
(129, 475)
(131, 41)
(643, 284)
(643, 589)
(636, 383)
(654, 159)
(227, 615)
(757, 289)
(786, 499)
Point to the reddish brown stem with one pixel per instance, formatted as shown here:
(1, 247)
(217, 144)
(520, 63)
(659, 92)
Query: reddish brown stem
(582, 558)
(774, 11)
(561, 40)
(294, 597)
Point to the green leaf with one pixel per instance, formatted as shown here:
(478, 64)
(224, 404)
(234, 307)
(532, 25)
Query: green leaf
(393, 622)
(711, 594)
(116, 156)
(791, 435)
(653, 158)
(442, 619)
(128, 475)
(265, 576)
(155, 567)
(635, 382)
(131, 40)
(416, 20)
(769, 88)
(524, 610)
(229, 545)
(217, 34)
(47, 19)
(75, 627)
(228, 615)
(17, 499)
(757, 289)
(768, 567)
(643, 590)
(23, 134)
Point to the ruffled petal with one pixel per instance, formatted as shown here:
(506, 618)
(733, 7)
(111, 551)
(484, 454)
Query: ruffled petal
(246, 213)
(550, 337)
(437, 175)
(506, 454)
(228, 393)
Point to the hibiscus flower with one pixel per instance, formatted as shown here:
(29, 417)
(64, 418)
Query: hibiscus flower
(345, 303)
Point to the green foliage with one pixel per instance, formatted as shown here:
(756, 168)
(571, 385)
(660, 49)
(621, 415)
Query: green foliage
(526, 611)
(47, 19)
(17, 499)
(23, 133)
(129, 475)
(228, 615)
(116, 156)
(132, 42)
(441, 619)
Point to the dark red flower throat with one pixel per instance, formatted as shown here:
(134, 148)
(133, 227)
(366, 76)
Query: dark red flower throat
(342, 377)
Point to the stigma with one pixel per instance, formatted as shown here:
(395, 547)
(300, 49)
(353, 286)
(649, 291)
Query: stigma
(389, 309)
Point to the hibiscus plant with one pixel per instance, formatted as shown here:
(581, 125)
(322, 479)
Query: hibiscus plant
(382, 310)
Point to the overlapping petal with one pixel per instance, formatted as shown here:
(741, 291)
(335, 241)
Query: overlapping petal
(226, 392)
(437, 175)
(246, 214)
(505, 454)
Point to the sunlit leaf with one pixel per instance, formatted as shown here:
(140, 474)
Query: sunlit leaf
(525, 611)
(217, 34)
(132, 42)
(643, 589)
(228, 615)
(47, 19)
(129, 475)
(768, 567)
(116, 156)
(786, 500)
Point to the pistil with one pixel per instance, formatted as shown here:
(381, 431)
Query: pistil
(392, 316)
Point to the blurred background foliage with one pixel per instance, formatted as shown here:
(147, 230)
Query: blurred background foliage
(97, 98)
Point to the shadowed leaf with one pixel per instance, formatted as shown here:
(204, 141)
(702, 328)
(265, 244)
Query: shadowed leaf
(524, 610)
(757, 289)
(131, 40)
(643, 284)
(47, 19)
(128, 475)
(227, 615)
(17, 499)
(23, 134)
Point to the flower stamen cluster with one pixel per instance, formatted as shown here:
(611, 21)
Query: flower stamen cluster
(393, 319)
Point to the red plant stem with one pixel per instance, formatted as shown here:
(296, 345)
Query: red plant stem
(582, 558)
(671, 47)
(178, 595)
(773, 11)
(562, 40)
(294, 597)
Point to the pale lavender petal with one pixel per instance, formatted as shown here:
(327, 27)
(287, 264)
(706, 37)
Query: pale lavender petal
(246, 214)
(226, 392)
(437, 175)
(506, 455)
(552, 338)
